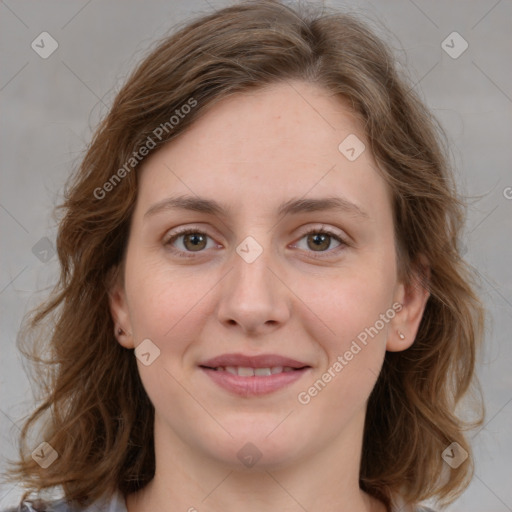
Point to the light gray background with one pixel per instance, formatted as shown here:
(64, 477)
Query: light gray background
(49, 108)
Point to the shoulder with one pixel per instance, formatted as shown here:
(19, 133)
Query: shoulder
(114, 503)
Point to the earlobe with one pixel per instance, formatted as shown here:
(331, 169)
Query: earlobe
(119, 309)
(413, 296)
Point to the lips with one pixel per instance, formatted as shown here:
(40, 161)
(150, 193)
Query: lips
(259, 361)
(253, 375)
(246, 371)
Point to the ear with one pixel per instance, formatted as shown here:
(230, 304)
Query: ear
(119, 308)
(413, 295)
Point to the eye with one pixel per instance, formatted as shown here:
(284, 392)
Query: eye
(193, 240)
(320, 240)
(190, 240)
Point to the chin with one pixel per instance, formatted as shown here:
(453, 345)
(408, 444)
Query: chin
(252, 448)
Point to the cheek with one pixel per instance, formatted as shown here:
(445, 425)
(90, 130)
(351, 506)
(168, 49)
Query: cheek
(355, 310)
(169, 309)
(348, 305)
(167, 306)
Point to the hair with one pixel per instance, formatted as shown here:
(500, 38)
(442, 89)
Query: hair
(99, 417)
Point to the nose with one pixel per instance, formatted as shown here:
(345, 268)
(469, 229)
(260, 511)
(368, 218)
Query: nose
(254, 296)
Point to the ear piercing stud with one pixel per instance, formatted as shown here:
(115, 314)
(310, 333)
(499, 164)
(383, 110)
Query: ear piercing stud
(401, 335)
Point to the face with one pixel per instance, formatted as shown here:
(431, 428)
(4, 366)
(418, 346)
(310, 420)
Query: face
(308, 287)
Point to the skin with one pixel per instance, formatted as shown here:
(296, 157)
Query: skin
(252, 152)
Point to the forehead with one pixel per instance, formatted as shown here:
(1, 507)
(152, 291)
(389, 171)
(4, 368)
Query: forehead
(256, 149)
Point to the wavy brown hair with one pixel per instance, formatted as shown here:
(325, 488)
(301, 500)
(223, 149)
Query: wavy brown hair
(98, 416)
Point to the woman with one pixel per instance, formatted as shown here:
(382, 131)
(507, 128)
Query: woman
(261, 304)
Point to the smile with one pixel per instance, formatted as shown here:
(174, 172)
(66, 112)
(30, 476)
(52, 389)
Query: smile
(247, 382)
(258, 372)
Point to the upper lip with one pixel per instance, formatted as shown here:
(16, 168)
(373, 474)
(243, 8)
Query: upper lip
(259, 361)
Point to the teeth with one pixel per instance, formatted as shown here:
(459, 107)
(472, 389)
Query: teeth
(262, 371)
(243, 371)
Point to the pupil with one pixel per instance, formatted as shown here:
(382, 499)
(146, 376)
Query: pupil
(195, 239)
(320, 239)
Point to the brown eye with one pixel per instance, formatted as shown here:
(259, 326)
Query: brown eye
(188, 241)
(194, 241)
(319, 241)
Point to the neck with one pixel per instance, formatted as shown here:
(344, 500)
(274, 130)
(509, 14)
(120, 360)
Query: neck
(325, 480)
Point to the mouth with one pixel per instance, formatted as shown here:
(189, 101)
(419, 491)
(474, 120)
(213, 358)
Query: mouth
(247, 371)
(248, 376)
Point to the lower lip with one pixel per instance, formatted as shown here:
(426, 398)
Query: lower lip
(254, 386)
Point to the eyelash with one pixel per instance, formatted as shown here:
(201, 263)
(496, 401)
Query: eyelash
(190, 254)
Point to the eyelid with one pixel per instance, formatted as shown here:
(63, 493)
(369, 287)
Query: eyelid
(338, 236)
(183, 230)
(172, 235)
(322, 228)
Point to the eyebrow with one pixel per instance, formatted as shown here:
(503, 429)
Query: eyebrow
(293, 206)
